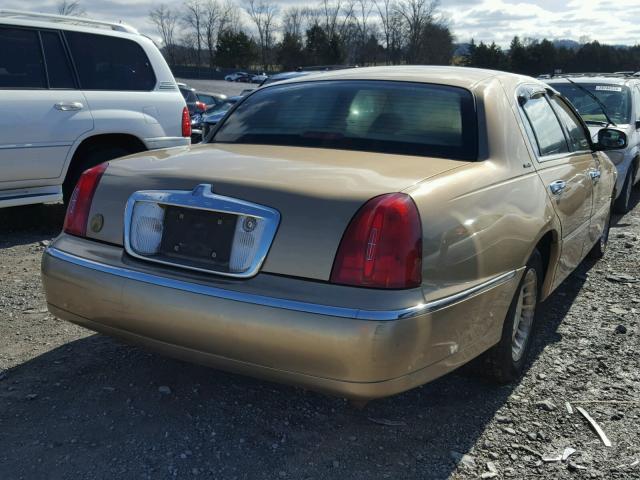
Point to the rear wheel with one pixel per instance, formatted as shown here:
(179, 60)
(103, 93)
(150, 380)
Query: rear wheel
(623, 202)
(506, 360)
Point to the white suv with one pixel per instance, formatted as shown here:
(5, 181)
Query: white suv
(75, 93)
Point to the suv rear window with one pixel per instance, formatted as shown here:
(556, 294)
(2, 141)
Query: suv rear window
(110, 63)
(369, 115)
(21, 64)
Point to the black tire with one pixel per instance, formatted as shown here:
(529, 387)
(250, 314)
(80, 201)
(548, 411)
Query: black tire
(500, 363)
(623, 202)
(88, 159)
(600, 248)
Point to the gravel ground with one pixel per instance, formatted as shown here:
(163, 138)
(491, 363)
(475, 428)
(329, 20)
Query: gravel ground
(76, 405)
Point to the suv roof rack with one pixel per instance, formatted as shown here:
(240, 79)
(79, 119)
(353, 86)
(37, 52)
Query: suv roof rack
(49, 17)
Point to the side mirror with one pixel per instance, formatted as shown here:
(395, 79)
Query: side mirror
(611, 139)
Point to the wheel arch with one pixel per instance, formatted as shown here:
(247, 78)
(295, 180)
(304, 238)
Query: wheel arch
(93, 142)
(549, 247)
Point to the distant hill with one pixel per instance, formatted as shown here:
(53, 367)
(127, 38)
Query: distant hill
(567, 43)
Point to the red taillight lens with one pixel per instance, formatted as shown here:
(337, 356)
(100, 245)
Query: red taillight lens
(382, 247)
(201, 106)
(75, 222)
(186, 122)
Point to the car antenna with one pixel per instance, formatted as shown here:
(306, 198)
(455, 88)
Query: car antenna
(600, 104)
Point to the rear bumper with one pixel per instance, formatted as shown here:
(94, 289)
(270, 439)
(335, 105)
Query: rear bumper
(349, 352)
(166, 142)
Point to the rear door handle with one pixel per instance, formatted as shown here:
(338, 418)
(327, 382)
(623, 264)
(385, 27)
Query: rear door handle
(557, 187)
(68, 106)
(595, 175)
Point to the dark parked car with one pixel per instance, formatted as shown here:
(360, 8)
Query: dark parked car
(210, 118)
(199, 102)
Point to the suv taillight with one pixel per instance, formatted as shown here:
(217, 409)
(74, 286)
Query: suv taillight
(201, 106)
(186, 122)
(75, 222)
(382, 246)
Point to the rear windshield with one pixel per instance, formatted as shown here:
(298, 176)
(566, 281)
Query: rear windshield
(376, 116)
(615, 99)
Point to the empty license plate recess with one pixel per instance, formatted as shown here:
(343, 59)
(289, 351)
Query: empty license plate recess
(198, 238)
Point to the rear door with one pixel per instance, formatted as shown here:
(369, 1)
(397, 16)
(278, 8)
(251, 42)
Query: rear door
(564, 172)
(41, 112)
(119, 83)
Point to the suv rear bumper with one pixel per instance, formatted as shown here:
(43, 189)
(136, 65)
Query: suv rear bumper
(156, 143)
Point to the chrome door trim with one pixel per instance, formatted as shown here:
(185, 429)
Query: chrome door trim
(557, 187)
(286, 304)
(203, 198)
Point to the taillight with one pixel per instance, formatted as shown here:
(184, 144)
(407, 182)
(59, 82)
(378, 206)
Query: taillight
(186, 122)
(201, 106)
(75, 222)
(382, 247)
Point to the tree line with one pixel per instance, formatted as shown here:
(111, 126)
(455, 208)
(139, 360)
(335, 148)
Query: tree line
(535, 57)
(257, 33)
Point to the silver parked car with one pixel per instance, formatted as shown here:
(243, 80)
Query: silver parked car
(609, 100)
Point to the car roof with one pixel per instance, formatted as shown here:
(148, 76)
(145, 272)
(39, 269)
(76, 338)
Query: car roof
(605, 79)
(464, 77)
(69, 23)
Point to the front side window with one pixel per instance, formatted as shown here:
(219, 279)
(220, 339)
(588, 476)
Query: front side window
(21, 64)
(110, 63)
(578, 140)
(378, 116)
(546, 128)
(613, 98)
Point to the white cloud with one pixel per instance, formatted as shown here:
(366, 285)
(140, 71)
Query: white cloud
(608, 21)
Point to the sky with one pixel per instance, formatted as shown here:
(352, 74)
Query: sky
(608, 21)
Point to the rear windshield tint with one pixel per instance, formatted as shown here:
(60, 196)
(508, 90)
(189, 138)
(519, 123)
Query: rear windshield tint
(377, 116)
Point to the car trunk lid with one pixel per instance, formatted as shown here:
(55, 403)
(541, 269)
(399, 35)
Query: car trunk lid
(316, 191)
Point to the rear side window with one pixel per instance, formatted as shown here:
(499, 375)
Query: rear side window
(21, 64)
(378, 116)
(546, 127)
(110, 63)
(58, 67)
(577, 138)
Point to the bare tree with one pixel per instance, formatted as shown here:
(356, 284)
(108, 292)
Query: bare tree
(386, 10)
(72, 8)
(230, 18)
(263, 14)
(335, 16)
(361, 12)
(193, 20)
(417, 14)
(165, 21)
(213, 15)
(293, 20)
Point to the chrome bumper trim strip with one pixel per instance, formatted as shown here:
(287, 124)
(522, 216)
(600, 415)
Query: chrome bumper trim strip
(262, 300)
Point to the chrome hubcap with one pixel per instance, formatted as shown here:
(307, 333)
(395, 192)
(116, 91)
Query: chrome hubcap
(525, 311)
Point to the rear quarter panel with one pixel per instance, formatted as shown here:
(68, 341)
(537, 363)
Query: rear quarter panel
(486, 218)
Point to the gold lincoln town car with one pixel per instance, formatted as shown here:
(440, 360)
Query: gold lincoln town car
(357, 232)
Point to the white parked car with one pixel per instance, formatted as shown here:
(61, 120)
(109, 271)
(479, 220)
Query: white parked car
(606, 100)
(74, 93)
